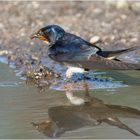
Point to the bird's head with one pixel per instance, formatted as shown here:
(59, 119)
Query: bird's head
(49, 34)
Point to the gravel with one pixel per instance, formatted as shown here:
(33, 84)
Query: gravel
(116, 24)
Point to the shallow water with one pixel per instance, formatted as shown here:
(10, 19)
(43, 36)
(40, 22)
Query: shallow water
(21, 104)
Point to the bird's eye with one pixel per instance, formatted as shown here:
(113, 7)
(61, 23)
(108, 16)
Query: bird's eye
(48, 31)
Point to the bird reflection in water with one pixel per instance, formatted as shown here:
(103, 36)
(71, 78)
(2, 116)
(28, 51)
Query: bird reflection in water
(93, 113)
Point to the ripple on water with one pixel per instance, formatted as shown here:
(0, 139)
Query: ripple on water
(8, 84)
(3, 60)
(92, 85)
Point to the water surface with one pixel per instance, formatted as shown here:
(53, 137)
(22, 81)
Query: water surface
(21, 104)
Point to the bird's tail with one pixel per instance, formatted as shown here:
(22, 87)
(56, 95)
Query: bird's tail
(114, 54)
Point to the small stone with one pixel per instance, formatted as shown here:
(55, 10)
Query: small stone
(34, 57)
(134, 40)
(37, 77)
(118, 20)
(94, 39)
(35, 73)
(39, 74)
(123, 17)
(122, 4)
(31, 43)
(78, 15)
(109, 2)
(123, 40)
(136, 4)
(57, 76)
(35, 5)
(47, 72)
(97, 10)
(112, 37)
(1, 25)
(12, 57)
(22, 34)
(3, 52)
(44, 11)
(51, 73)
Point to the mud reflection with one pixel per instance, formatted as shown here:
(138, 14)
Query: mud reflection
(68, 118)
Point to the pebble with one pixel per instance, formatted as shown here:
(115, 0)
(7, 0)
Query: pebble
(34, 57)
(112, 37)
(97, 10)
(3, 52)
(118, 20)
(134, 40)
(1, 25)
(12, 57)
(122, 4)
(95, 39)
(123, 17)
(37, 77)
(35, 5)
(123, 40)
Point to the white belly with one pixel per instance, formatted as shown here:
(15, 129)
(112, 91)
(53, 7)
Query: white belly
(74, 70)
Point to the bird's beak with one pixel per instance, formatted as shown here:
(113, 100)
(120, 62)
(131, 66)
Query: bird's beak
(33, 36)
(41, 37)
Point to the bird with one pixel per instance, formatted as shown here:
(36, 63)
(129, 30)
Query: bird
(71, 50)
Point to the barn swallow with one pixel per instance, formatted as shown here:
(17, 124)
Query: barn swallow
(72, 50)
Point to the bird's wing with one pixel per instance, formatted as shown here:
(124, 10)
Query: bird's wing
(72, 52)
(86, 56)
(114, 54)
(90, 58)
(99, 62)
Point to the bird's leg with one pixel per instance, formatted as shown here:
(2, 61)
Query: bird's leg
(86, 89)
(73, 99)
(87, 96)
